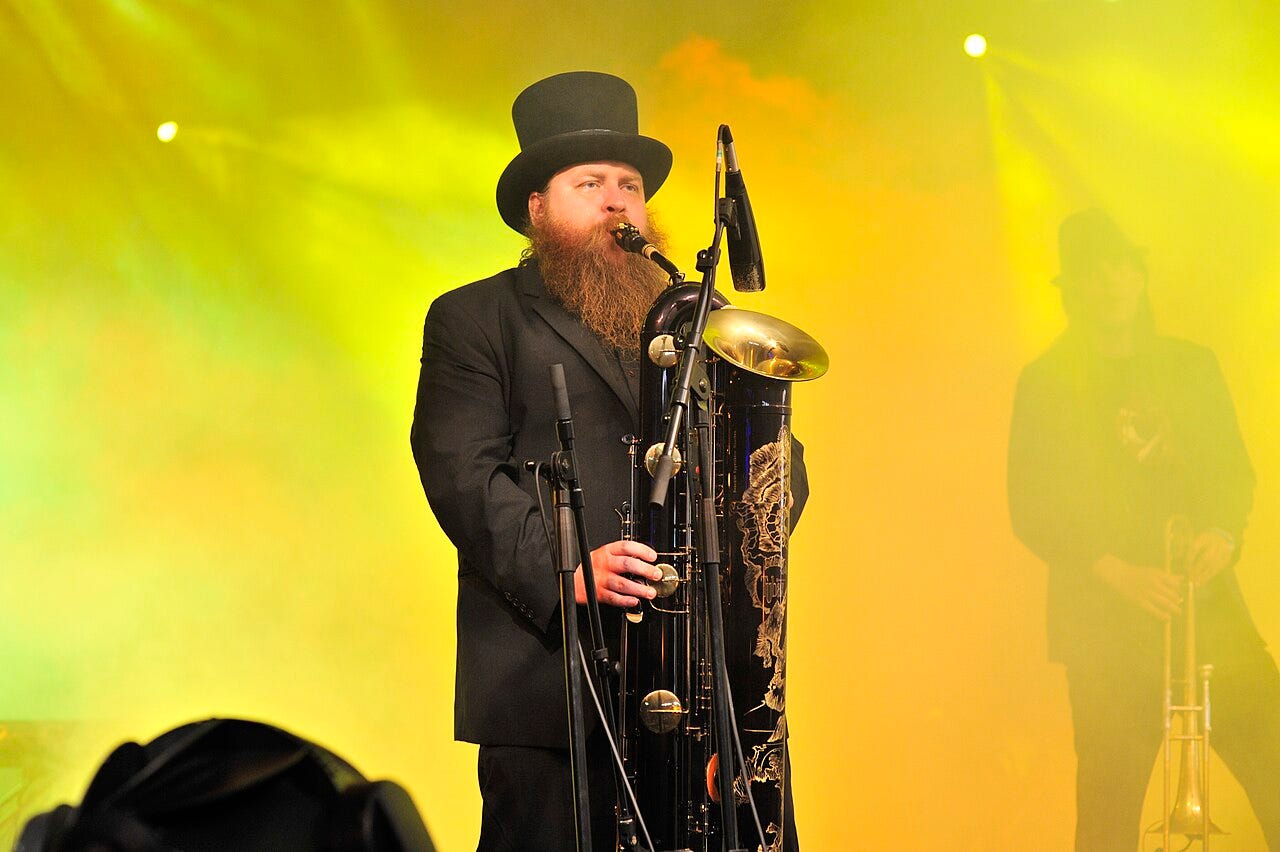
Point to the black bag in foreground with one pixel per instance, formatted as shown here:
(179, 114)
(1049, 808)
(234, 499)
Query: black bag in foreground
(230, 785)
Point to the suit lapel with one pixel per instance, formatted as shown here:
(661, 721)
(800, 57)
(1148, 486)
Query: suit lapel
(577, 335)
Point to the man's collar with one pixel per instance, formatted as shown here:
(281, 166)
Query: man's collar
(529, 279)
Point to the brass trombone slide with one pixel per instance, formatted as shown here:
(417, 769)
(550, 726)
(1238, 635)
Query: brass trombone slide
(1189, 721)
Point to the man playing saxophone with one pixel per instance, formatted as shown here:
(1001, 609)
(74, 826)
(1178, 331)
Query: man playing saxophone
(1116, 429)
(484, 406)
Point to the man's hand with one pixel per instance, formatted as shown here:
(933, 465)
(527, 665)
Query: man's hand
(1156, 591)
(1210, 554)
(610, 566)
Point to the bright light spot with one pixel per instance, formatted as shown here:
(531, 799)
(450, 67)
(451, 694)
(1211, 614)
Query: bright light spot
(167, 131)
(975, 45)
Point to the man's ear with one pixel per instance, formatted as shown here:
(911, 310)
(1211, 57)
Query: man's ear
(537, 204)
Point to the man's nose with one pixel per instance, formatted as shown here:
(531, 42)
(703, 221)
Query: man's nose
(615, 200)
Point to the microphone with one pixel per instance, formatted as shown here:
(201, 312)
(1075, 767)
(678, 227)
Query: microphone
(629, 238)
(745, 262)
(564, 419)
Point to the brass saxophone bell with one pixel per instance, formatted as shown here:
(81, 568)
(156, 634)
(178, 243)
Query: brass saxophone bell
(765, 345)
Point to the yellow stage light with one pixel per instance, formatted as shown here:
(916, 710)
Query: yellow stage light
(167, 131)
(975, 45)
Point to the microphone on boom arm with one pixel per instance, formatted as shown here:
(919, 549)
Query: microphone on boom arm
(746, 264)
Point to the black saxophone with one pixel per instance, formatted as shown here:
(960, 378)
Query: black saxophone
(666, 685)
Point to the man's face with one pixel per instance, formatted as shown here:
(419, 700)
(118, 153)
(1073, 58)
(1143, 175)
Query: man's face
(582, 266)
(590, 195)
(1110, 295)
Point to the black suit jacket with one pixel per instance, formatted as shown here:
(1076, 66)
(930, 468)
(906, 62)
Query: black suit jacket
(1075, 496)
(484, 406)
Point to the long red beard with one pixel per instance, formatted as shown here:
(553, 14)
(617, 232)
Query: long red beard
(609, 292)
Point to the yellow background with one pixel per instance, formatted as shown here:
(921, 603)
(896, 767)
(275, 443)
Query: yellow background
(208, 352)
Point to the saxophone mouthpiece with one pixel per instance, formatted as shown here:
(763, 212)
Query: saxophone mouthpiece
(628, 237)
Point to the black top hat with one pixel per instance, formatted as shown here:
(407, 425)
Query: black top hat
(576, 117)
(1090, 236)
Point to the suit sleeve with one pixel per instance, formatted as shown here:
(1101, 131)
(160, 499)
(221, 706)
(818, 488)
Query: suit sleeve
(1228, 480)
(462, 439)
(1050, 502)
(799, 481)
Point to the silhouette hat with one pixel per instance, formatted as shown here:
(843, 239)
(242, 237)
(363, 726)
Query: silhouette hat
(1087, 237)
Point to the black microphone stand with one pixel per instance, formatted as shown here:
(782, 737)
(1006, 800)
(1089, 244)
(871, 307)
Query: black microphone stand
(565, 569)
(692, 361)
(708, 260)
(571, 528)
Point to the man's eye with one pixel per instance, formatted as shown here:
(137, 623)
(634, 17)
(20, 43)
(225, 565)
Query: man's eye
(631, 187)
(590, 184)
